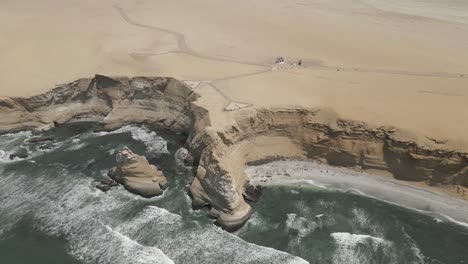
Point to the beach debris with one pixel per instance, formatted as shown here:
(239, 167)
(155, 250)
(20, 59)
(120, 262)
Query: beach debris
(279, 60)
(461, 190)
(282, 64)
(253, 193)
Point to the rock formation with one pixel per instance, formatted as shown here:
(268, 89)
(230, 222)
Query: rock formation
(137, 175)
(160, 102)
(183, 157)
(245, 136)
(267, 134)
(106, 184)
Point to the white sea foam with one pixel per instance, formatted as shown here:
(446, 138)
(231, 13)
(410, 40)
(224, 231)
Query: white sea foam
(454, 221)
(180, 155)
(71, 207)
(68, 205)
(255, 221)
(7, 139)
(351, 240)
(10, 142)
(208, 244)
(154, 143)
(414, 248)
(356, 248)
(300, 225)
(74, 144)
(136, 252)
(362, 220)
(385, 189)
(4, 156)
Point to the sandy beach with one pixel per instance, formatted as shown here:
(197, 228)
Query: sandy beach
(407, 194)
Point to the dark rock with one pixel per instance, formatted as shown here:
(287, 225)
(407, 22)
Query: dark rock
(103, 187)
(47, 146)
(253, 193)
(111, 174)
(40, 139)
(109, 181)
(103, 82)
(21, 153)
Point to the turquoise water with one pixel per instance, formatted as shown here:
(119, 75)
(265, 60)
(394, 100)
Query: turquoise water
(50, 212)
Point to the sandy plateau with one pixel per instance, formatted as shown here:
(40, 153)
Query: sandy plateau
(354, 72)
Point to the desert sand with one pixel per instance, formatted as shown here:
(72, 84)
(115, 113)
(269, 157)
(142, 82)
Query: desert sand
(403, 63)
(400, 63)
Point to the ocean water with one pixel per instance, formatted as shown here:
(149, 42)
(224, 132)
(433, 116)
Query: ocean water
(326, 226)
(50, 212)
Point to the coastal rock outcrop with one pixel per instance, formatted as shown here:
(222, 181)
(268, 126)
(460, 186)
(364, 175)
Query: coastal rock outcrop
(268, 134)
(137, 175)
(160, 102)
(219, 144)
(183, 157)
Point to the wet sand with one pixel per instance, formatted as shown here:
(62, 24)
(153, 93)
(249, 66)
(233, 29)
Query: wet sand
(407, 194)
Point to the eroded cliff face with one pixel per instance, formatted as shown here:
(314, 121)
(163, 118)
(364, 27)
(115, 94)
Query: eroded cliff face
(245, 136)
(268, 134)
(157, 101)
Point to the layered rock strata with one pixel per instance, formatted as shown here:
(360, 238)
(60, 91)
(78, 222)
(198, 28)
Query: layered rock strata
(160, 102)
(136, 174)
(247, 135)
(269, 134)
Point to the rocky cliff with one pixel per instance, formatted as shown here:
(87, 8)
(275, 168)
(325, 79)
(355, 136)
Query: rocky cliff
(267, 134)
(245, 136)
(160, 102)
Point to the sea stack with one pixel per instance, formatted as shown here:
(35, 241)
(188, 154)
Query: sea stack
(136, 174)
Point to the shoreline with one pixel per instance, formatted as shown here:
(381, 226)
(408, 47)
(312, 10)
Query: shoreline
(221, 143)
(405, 194)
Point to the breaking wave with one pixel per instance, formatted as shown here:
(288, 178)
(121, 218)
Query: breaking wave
(116, 227)
(356, 248)
(419, 257)
(153, 142)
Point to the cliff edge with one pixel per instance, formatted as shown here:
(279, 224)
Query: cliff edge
(221, 143)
